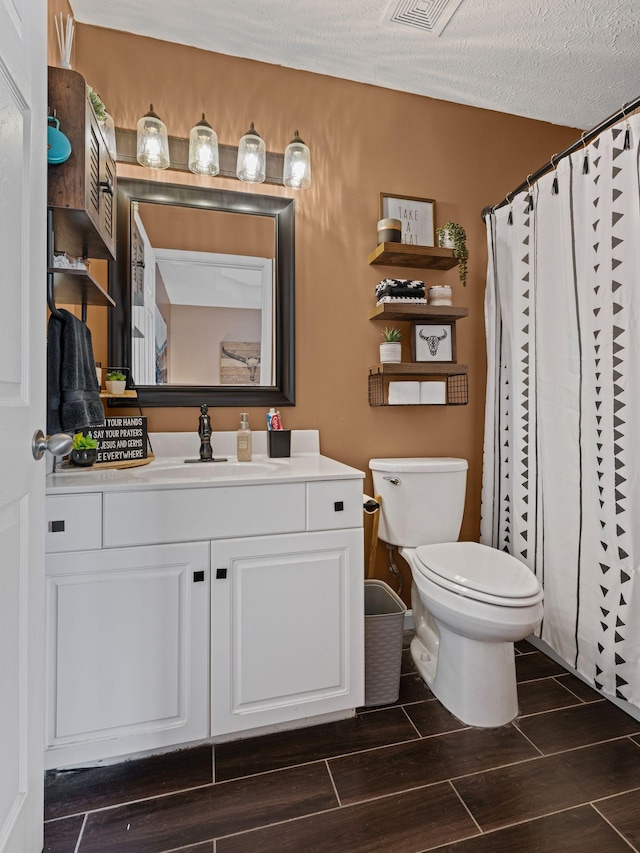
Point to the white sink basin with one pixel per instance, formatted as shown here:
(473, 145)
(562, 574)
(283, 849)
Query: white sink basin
(202, 470)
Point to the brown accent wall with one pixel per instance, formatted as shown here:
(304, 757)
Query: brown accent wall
(364, 140)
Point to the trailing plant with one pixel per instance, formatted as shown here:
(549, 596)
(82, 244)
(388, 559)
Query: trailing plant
(391, 336)
(84, 442)
(116, 376)
(460, 251)
(96, 102)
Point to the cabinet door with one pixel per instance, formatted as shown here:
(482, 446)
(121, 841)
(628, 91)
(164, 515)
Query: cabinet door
(286, 628)
(127, 650)
(100, 181)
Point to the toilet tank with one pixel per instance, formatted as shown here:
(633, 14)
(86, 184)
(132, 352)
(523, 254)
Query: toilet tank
(422, 499)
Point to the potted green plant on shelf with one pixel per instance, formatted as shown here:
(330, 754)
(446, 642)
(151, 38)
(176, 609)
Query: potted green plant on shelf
(453, 236)
(84, 452)
(115, 382)
(391, 349)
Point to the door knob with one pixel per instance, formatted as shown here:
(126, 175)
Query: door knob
(58, 445)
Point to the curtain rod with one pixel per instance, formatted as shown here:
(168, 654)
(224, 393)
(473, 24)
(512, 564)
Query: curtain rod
(586, 137)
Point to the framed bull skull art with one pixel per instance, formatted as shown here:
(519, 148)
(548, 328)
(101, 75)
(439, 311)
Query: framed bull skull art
(434, 342)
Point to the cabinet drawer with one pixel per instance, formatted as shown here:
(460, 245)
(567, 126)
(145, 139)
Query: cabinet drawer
(185, 515)
(333, 504)
(74, 522)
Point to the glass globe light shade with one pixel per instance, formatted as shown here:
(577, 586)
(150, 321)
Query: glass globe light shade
(203, 149)
(252, 157)
(153, 142)
(297, 165)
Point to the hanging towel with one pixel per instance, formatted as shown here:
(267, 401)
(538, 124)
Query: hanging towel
(73, 396)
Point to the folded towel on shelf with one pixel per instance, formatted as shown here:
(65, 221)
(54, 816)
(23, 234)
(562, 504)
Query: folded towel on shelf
(73, 396)
(416, 300)
(399, 287)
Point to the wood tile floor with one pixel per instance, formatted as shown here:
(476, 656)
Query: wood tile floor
(407, 778)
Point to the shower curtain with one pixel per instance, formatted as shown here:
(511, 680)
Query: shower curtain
(561, 483)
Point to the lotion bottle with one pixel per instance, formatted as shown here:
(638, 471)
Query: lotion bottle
(244, 439)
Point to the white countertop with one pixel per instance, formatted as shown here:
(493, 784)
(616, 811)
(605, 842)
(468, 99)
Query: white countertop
(169, 471)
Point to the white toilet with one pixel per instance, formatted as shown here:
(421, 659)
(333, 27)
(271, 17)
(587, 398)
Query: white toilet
(470, 602)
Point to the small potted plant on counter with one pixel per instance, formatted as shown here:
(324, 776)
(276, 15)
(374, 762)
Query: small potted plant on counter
(391, 349)
(115, 382)
(453, 236)
(85, 450)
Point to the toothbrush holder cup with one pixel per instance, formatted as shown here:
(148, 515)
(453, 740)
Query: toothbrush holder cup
(279, 443)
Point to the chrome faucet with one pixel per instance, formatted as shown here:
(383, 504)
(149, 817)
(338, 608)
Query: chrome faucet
(204, 431)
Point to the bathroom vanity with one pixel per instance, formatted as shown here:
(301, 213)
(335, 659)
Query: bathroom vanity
(196, 601)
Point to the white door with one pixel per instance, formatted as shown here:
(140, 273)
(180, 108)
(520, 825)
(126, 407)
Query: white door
(23, 110)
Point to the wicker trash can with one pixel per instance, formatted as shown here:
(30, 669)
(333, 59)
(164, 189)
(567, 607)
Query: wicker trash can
(383, 629)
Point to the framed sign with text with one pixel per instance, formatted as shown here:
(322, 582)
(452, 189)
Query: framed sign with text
(415, 214)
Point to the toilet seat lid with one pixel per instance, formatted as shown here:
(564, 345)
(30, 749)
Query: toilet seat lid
(472, 567)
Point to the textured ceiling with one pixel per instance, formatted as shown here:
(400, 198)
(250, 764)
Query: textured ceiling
(570, 62)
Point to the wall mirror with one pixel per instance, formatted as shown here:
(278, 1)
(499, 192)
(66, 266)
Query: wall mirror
(204, 285)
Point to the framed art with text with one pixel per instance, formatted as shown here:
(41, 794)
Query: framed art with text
(415, 214)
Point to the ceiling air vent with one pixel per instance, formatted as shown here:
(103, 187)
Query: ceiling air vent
(432, 16)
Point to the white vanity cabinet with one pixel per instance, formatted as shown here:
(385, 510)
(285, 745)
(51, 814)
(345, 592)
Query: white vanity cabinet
(286, 625)
(127, 650)
(179, 612)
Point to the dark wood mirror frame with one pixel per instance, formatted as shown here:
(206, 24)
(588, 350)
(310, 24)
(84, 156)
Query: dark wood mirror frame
(282, 211)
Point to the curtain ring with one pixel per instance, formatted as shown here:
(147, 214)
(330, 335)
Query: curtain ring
(554, 166)
(582, 137)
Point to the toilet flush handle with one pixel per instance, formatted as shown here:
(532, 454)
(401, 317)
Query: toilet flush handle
(393, 480)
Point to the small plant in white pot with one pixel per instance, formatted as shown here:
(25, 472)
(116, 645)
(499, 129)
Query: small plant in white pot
(453, 236)
(391, 348)
(115, 382)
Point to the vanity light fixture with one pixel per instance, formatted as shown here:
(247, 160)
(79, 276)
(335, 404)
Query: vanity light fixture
(297, 164)
(203, 149)
(153, 142)
(252, 157)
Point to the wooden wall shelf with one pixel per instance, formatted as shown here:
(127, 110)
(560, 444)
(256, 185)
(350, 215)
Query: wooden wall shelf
(418, 368)
(455, 375)
(405, 255)
(128, 395)
(413, 311)
(77, 287)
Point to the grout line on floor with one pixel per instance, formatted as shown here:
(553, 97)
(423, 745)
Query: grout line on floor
(325, 758)
(188, 846)
(466, 807)
(497, 829)
(160, 795)
(582, 745)
(518, 729)
(615, 828)
(333, 784)
(254, 829)
(81, 833)
(564, 708)
(411, 721)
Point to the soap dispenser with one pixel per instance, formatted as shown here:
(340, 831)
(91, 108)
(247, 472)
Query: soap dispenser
(244, 438)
